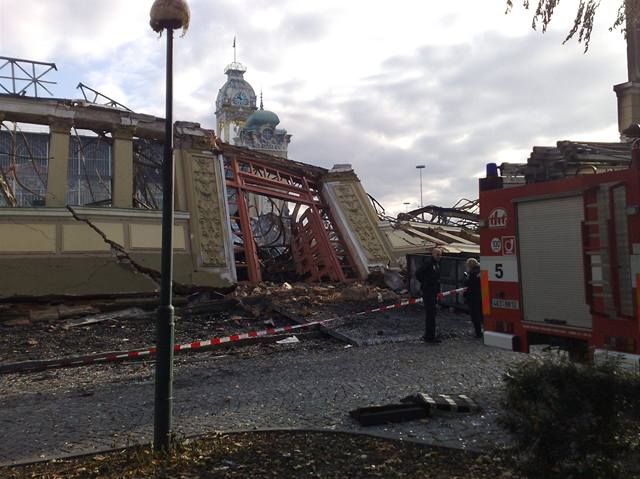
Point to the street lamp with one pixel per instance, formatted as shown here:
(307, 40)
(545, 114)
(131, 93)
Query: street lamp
(169, 15)
(406, 206)
(420, 168)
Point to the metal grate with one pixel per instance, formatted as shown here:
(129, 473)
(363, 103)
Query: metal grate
(19, 76)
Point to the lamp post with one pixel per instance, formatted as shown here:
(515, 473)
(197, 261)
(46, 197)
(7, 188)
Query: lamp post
(169, 15)
(420, 168)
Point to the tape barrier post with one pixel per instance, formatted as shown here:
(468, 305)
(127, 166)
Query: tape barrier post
(150, 352)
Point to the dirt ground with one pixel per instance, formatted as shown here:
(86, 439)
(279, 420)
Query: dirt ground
(279, 455)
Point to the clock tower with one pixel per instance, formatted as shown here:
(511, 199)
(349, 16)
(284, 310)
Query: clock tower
(236, 101)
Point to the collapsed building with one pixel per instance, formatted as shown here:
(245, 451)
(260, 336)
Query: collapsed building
(80, 192)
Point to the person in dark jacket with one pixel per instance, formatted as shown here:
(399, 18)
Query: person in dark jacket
(473, 295)
(429, 276)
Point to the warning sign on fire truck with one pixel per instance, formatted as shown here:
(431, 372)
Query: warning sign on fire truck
(509, 245)
(496, 245)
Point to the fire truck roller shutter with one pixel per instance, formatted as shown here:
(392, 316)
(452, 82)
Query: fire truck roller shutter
(551, 262)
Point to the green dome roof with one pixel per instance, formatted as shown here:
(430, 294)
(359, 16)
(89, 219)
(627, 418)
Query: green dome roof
(261, 118)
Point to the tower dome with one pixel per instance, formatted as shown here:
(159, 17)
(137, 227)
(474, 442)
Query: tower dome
(259, 132)
(261, 118)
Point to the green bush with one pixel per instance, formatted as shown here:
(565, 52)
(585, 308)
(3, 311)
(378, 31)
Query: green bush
(572, 420)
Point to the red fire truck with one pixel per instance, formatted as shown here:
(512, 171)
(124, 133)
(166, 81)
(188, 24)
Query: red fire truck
(561, 262)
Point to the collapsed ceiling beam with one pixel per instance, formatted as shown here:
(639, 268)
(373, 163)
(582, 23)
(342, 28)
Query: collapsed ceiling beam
(440, 212)
(83, 115)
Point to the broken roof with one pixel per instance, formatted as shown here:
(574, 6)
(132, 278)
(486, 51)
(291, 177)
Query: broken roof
(83, 115)
(303, 169)
(416, 237)
(569, 158)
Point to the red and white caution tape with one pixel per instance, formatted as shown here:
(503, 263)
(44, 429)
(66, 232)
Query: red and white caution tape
(407, 302)
(142, 353)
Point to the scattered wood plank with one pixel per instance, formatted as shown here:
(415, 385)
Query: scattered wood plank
(127, 314)
(212, 306)
(325, 329)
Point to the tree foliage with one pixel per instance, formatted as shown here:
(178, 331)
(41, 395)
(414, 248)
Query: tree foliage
(628, 13)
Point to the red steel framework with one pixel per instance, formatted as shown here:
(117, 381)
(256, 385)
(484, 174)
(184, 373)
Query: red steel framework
(316, 246)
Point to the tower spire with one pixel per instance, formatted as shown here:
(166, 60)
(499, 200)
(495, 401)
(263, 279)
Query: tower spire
(261, 104)
(234, 49)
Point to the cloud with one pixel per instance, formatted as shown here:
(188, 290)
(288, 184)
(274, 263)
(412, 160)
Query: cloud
(451, 86)
(78, 30)
(304, 27)
(462, 104)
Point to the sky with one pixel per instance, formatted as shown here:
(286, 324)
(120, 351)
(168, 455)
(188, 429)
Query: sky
(384, 86)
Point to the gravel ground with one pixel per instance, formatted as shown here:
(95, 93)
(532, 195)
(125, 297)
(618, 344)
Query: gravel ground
(311, 384)
(400, 325)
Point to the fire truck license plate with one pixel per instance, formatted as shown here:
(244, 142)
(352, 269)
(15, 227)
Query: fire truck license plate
(505, 303)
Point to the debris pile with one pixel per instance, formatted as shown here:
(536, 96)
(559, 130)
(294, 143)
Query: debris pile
(41, 328)
(307, 299)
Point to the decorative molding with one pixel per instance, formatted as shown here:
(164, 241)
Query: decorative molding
(208, 210)
(276, 140)
(355, 212)
(90, 212)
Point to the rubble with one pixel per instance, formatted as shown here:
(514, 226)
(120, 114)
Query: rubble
(17, 322)
(44, 315)
(416, 406)
(65, 311)
(65, 326)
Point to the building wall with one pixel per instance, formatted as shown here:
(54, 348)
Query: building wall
(44, 250)
(205, 197)
(47, 251)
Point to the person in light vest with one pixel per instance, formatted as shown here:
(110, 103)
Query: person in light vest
(429, 276)
(473, 295)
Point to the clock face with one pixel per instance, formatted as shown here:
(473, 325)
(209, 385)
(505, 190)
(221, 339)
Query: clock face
(267, 133)
(240, 99)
